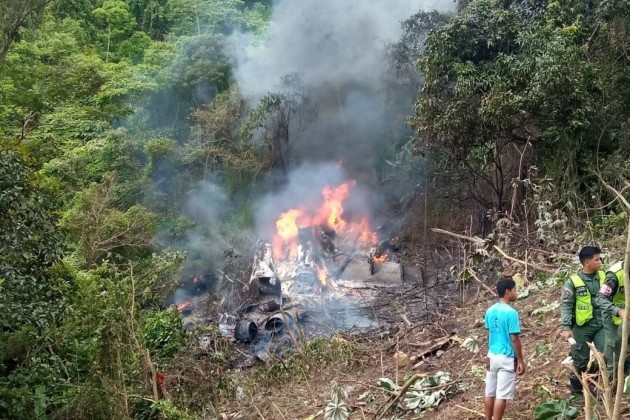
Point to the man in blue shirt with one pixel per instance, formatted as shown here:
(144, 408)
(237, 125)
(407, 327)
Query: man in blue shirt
(505, 355)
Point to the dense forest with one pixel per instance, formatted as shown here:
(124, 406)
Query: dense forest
(144, 141)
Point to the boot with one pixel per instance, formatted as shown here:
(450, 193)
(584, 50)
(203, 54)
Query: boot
(575, 385)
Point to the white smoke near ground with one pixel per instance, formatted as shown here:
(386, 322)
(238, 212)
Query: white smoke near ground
(208, 207)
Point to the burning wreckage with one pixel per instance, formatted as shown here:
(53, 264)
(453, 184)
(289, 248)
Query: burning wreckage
(319, 275)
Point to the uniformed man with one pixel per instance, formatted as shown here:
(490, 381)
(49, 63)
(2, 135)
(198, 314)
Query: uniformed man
(580, 315)
(612, 301)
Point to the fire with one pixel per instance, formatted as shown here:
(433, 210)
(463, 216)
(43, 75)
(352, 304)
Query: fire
(328, 214)
(322, 275)
(185, 304)
(380, 258)
(287, 232)
(332, 209)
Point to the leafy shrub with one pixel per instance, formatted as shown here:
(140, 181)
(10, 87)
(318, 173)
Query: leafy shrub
(316, 354)
(163, 334)
(163, 410)
(556, 410)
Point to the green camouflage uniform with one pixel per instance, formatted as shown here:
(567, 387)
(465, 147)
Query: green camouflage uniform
(592, 330)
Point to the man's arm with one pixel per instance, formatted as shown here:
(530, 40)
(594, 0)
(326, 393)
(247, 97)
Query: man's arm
(514, 329)
(605, 295)
(518, 349)
(567, 308)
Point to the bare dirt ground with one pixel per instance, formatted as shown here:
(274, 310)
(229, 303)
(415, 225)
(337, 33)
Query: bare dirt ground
(306, 397)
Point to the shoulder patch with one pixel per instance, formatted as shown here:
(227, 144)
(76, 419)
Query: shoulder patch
(566, 294)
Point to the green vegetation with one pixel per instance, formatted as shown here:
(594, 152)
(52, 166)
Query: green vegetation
(516, 84)
(315, 354)
(113, 113)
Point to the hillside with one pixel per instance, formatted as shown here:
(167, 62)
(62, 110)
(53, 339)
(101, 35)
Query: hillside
(305, 397)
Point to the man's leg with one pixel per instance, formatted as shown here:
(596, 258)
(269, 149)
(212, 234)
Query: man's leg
(598, 338)
(580, 353)
(499, 409)
(488, 406)
(506, 383)
(626, 365)
(610, 347)
(491, 389)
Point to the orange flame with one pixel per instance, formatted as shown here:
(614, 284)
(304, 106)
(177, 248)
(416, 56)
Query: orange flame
(332, 209)
(185, 304)
(287, 232)
(322, 275)
(380, 258)
(329, 213)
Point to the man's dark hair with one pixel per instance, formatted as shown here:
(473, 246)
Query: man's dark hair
(588, 252)
(505, 284)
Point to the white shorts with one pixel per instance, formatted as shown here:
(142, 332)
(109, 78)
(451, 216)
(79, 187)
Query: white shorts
(501, 378)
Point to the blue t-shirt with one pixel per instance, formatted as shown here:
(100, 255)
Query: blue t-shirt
(501, 321)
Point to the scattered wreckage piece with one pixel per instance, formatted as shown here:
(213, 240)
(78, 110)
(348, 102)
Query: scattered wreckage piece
(264, 280)
(245, 331)
(278, 322)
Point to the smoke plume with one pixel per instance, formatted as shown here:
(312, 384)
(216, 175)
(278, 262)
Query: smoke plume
(337, 50)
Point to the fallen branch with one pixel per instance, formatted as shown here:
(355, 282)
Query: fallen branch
(475, 239)
(606, 386)
(402, 392)
(289, 333)
(470, 411)
(400, 334)
(259, 413)
(377, 388)
(474, 276)
(525, 263)
(278, 410)
(480, 241)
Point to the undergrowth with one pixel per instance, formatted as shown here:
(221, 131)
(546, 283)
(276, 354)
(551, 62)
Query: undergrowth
(315, 355)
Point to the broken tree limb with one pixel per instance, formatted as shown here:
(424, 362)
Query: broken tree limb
(480, 241)
(475, 239)
(614, 191)
(480, 414)
(347, 260)
(525, 263)
(399, 335)
(433, 347)
(337, 274)
(400, 393)
(478, 280)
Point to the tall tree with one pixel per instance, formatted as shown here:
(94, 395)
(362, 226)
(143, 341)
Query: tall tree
(504, 76)
(15, 15)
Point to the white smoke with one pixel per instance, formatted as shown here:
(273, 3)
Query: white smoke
(326, 42)
(338, 50)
